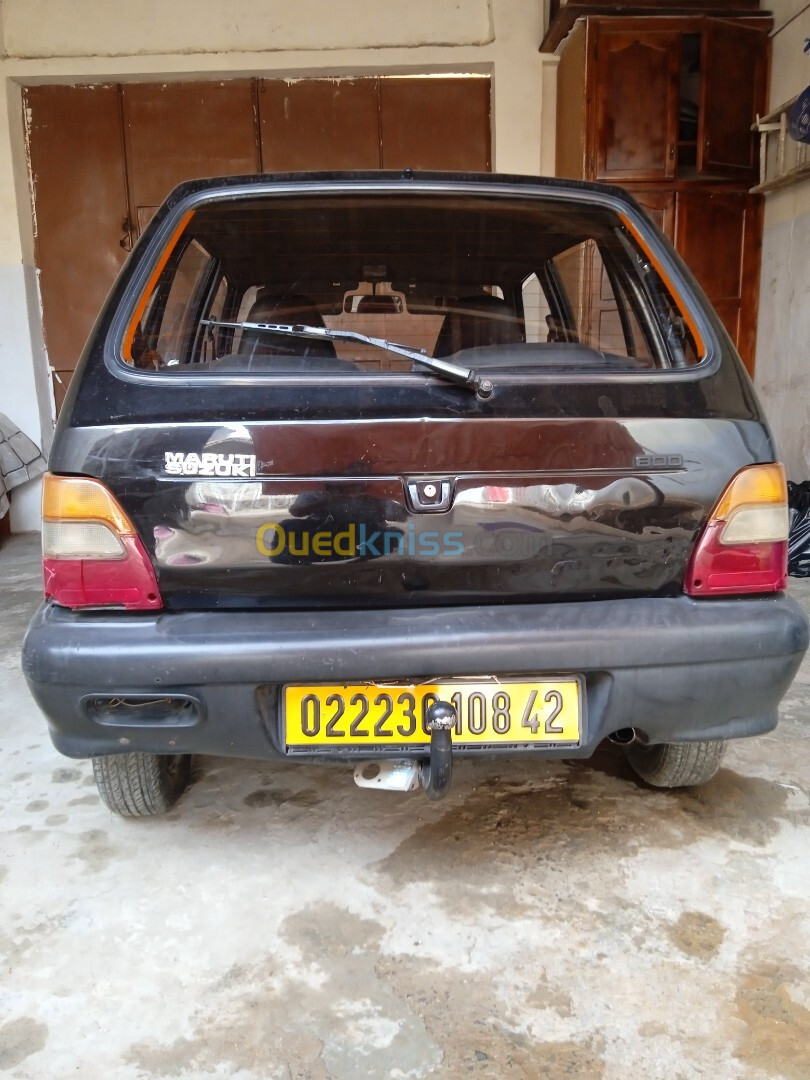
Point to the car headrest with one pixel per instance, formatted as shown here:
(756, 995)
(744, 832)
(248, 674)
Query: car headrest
(478, 320)
(290, 308)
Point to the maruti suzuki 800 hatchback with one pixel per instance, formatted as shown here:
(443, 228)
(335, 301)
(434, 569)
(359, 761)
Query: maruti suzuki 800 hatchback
(389, 468)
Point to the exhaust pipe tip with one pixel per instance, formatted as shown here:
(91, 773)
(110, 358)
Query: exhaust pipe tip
(623, 737)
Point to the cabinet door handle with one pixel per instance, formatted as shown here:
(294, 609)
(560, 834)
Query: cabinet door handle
(671, 151)
(126, 239)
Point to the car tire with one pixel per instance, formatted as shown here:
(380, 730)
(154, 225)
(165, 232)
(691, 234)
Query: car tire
(675, 765)
(141, 785)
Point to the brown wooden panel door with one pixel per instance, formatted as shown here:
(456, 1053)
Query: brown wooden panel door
(80, 200)
(636, 107)
(319, 124)
(436, 124)
(186, 131)
(710, 236)
(717, 234)
(733, 69)
(660, 206)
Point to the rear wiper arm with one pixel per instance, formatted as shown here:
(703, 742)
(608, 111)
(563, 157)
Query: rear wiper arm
(452, 372)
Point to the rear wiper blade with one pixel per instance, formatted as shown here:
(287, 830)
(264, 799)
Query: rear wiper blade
(452, 372)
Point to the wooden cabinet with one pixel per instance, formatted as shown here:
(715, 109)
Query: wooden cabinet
(660, 206)
(663, 106)
(733, 69)
(663, 98)
(719, 234)
(636, 107)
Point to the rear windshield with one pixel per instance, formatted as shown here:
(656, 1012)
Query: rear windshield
(309, 284)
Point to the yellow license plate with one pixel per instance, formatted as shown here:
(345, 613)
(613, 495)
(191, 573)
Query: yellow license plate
(382, 714)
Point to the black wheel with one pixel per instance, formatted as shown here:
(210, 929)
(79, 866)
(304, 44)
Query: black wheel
(674, 765)
(139, 785)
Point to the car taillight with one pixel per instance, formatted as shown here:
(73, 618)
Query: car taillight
(91, 554)
(743, 546)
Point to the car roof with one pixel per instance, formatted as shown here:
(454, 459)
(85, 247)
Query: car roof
(395, 180)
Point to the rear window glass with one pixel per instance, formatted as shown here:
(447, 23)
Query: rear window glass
(321, 283)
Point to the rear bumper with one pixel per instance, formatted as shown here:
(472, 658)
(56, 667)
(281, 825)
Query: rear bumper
(676, 669)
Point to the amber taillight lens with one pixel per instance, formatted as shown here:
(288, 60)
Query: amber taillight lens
(91, 554)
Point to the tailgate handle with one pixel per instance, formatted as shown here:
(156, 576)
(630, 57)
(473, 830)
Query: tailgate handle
(430, 496)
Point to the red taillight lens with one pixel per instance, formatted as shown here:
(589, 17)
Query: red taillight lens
(743, 546)
(91, 554)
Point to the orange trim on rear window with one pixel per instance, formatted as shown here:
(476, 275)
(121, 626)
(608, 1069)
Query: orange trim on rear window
(700, 345)
(140, 307)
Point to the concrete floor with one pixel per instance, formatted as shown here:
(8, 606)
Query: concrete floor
(543, 921)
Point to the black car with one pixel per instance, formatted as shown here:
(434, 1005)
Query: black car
(386, 468)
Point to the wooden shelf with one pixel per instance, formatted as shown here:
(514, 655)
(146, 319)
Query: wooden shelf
(785, 164)
(794, 176)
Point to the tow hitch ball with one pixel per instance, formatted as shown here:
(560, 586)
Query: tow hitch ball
(405, 774)
(436, 773)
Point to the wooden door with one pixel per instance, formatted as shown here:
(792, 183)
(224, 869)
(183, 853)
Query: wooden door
(636, 107)
(80, 196)
(389, 123)
(733, 70)
(660, 206)
(718, 234)
(185, 131)
(435, 124)
(319, 124)
(104, 157)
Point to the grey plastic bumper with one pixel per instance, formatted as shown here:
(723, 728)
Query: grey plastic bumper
(677, 669)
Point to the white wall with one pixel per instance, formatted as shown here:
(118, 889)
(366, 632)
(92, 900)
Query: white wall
(73, 41)
(25, 393)
(783, 334)
(45, 28)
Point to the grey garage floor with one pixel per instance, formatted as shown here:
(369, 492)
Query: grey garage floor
(545, 921)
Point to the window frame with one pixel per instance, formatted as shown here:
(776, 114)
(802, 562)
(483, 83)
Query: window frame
(167, 227)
